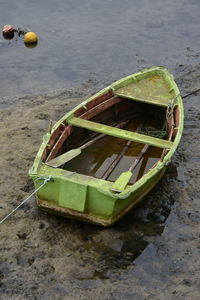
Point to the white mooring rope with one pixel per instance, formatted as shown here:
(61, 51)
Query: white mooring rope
(46, 179)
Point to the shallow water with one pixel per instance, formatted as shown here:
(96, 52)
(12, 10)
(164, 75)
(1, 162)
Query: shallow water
(102, 40)
(152, 253)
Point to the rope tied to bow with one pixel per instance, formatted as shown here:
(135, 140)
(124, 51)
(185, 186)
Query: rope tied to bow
(44, 180)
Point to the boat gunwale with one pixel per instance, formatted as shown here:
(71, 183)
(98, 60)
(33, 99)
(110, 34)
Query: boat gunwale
(88, 180)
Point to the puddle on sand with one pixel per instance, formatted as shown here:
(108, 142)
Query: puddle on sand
(111, 250)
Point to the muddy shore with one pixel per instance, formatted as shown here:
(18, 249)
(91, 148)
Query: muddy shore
(152, 253)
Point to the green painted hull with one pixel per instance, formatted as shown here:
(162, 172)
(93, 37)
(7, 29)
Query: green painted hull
(90, 199)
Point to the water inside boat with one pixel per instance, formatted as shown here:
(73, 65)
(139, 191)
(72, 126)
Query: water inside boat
(96, 159)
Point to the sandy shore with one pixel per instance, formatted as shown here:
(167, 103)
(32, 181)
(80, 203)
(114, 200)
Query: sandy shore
(153, 253)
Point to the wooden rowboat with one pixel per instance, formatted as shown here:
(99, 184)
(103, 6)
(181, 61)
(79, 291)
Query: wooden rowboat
(106, 154)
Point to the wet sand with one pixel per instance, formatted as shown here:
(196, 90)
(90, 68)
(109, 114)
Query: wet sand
(152, 253)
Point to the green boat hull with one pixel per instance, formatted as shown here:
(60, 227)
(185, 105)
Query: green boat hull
(91, 199)
(111, 209)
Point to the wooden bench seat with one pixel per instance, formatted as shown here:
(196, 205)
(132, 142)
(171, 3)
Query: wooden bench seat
(120, 133)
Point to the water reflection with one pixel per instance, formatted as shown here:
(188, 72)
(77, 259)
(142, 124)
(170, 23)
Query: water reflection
(31, 45)
(117, 247)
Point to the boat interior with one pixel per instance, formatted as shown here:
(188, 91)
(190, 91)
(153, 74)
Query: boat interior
(114, 134)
